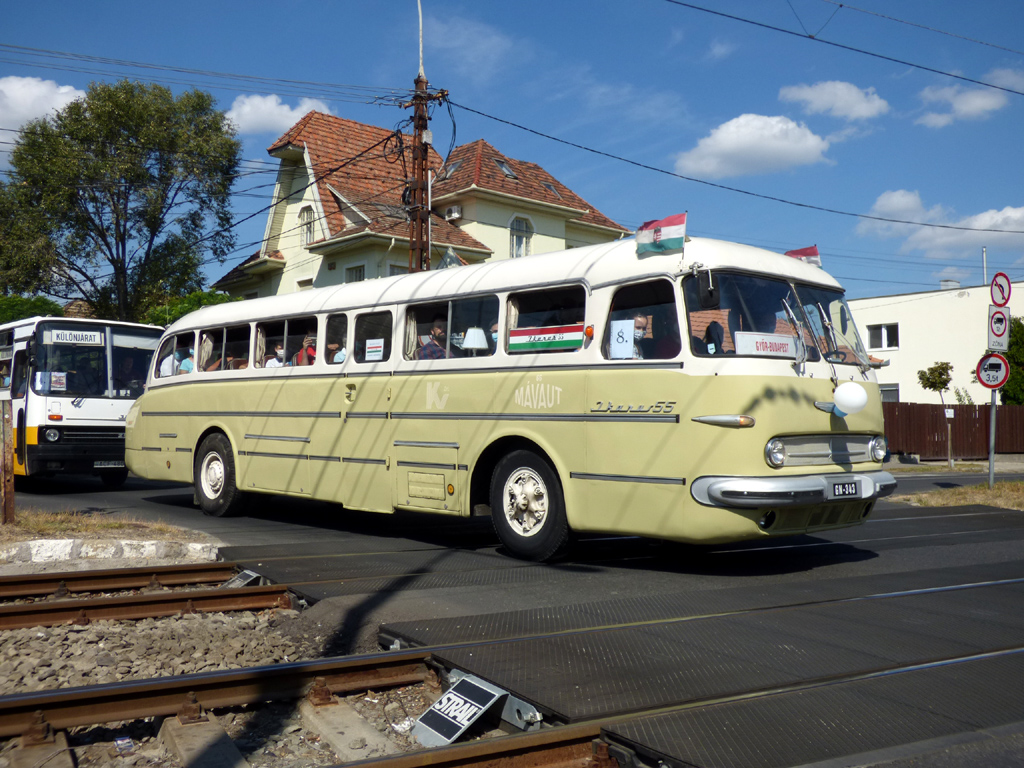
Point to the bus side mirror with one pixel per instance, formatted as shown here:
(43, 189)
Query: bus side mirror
(707, 290)
(32, 353)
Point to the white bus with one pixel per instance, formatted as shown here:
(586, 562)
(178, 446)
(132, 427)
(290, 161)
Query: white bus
(70, 382)
(710, 396)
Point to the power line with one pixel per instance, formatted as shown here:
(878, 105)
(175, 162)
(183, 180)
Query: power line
(771, 198)
(853, 49)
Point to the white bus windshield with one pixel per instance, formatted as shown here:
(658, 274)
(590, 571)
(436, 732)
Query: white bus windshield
(73, 361)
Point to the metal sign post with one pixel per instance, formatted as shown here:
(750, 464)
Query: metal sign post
(993, 371)
(6, 464)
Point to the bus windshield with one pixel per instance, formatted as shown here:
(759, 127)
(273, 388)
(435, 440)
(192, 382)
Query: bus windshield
(831, 325)
(73, 361)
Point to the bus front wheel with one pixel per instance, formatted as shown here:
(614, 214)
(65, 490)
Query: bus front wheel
(214, 476)
(527, 507)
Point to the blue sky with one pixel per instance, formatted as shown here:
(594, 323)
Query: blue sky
(713, 99)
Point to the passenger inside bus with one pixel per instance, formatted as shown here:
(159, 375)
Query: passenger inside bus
(5, 377)
(434, 347)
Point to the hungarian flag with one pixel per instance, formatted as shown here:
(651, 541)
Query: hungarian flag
(662, 236)
(549, 337)
(809, 254)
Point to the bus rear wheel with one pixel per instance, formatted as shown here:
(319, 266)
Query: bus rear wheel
(527, 508)
(214, 476)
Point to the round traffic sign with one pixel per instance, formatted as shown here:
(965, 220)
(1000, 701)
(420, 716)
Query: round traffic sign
(993, 371)
(998, 323)
(1000, 289)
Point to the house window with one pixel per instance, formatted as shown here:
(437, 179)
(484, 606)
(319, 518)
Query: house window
(521, 231)
(890, 392)
(397, 269)
(503, 167)
(306, 225)
(551, 188)
(884, 336)
(355, 274)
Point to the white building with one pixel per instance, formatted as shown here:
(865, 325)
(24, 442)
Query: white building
(913, 331)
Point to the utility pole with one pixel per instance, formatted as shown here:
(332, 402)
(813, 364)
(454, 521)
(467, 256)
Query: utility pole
(6, 464)
(419, 185)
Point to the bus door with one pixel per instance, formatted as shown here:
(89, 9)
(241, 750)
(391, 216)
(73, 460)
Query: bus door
(19, 408)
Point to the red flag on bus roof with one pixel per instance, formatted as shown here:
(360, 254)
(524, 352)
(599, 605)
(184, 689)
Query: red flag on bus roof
(809, 254)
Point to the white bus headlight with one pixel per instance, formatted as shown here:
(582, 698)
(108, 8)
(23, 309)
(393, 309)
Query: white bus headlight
(775, 453)
(52, 435)
(878, 449)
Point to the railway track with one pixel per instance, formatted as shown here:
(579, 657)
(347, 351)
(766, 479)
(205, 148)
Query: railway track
(61, 606)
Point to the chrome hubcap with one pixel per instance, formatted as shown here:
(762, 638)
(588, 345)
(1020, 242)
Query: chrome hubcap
(526, 502)
(211, 475)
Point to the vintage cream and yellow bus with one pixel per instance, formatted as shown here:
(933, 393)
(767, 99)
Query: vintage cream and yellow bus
(713, 395)
(70, 382)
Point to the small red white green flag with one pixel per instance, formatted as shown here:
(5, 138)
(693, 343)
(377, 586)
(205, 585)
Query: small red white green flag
(549, 337)
(809, 254)
(662, 235)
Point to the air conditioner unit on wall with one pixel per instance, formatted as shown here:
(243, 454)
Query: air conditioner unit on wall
(453, 213)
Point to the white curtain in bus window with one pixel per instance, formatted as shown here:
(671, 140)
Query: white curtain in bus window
(643, 323)
(373, 337)
(271, 335)
(211, 349)
(547, 321)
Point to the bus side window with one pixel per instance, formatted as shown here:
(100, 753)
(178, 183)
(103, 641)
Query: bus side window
(211, 349)
(176, 355)
(236, 348)
(472, 320)
(373, 337)
(270, 345)
(19, 375)
(426, 332)
(300, 342)
(643, 323)
(550, 320)
(337, 337)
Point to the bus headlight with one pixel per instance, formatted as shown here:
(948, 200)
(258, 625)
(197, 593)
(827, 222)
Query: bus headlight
(775, 453)
(51, 435)
(878, 449)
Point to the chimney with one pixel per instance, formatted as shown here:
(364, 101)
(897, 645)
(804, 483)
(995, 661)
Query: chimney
(948, 285)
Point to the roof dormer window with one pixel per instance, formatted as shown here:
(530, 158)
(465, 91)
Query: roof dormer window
(551, 188)
(503, 167)
(449, 170)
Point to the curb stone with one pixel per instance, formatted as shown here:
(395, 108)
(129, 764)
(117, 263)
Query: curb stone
(57, 550)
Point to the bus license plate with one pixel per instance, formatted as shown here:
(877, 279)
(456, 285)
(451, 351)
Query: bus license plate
(108, 465)
(844, 490)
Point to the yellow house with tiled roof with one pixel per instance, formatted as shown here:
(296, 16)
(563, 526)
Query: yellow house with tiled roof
(338, 214)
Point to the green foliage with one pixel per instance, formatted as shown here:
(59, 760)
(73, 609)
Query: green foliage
(18, 307)
(26, 254)
(936, 378)
(963, 397)
(1013, 392)
(130, 187)
(167, 313)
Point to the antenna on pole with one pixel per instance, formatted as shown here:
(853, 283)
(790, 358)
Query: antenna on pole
(419, 7)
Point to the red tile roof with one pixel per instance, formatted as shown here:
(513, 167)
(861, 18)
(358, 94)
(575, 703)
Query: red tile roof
(478, 166)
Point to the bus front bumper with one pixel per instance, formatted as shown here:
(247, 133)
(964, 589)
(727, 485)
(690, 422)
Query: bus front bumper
(792, 490)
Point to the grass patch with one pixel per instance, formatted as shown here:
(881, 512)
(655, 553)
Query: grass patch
(33, 524)
(1007, 495)
(934, 467)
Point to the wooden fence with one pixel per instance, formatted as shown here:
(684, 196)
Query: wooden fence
(921, 429)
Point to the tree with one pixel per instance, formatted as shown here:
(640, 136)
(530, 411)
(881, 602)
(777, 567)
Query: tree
(131, 186)
(936, 378)
(1013, 392)
(165, 314)
(19, 307)
(26, 254)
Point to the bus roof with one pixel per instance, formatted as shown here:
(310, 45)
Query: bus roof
(79, 320)
(594, 265)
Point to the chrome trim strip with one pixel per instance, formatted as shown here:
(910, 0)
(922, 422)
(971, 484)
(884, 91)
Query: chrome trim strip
(285, 438)
(425, 465)
(168, 435)
(150, 448)
(272, 414)
(375, 462)
(725, 420)
(628, 478)
(325, 458)
(424, 444)
(365, 415)
(183, 450)
(606, 417)
(269, 455)
(462, 467)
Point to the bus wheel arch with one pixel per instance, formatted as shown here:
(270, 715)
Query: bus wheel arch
(527, 503)
(213, 474)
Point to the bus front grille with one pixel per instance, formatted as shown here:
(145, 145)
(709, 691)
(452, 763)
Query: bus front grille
(92, 435)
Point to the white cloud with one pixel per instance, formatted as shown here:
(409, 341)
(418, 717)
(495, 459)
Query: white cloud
(476, 51)
(837, 98)
(753, 144)
(28, 98)
(268, 114)
(1007, 78)
(720, 49)
(937, 242)
(962, 103)
(960, 274)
